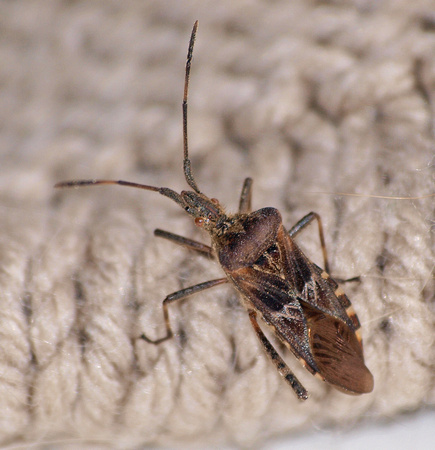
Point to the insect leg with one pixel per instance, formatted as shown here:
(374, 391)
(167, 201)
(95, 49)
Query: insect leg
(302, 224)
(185, 242)
(280, 365)
(245, 196)
(179, 295)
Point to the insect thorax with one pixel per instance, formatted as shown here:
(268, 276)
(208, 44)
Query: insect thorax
(249, 237)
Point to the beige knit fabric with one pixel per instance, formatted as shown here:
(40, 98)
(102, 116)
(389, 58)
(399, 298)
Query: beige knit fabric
(310, 99)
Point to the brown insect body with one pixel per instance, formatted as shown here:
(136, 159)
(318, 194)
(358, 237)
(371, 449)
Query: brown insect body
(305, 308)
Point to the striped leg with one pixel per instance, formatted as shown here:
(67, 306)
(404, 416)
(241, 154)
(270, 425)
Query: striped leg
(280, 365)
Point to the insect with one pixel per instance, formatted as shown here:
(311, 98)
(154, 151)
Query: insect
(303, 305)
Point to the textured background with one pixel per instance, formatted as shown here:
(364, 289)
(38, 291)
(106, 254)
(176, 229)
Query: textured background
(309, 98)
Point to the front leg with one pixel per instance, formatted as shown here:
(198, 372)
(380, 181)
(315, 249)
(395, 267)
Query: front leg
(245, 197)
(184, 242)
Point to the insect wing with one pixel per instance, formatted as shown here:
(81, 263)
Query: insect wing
(297, 299)
(338, 353)
(271, 296)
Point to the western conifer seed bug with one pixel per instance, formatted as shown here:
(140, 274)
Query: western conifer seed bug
(299, 301)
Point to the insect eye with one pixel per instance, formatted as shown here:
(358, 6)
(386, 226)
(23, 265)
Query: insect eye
(200, 221)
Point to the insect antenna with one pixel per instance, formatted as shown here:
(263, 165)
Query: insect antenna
(186, 161)
(175, 196)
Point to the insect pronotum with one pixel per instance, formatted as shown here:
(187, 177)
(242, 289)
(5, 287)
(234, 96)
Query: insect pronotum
(299, 301)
